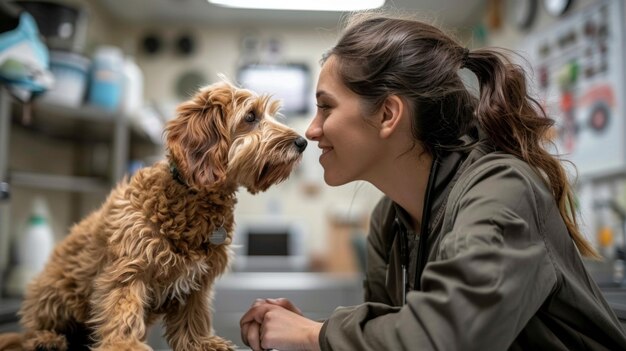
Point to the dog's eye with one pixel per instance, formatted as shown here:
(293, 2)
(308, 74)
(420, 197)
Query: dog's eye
(250, 117)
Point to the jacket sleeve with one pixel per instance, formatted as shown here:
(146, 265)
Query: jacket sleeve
(492, 274)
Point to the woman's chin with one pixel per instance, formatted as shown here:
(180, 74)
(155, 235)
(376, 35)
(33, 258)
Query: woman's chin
(334, 181)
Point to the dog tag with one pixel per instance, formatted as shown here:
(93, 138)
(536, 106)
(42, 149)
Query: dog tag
(218, 236)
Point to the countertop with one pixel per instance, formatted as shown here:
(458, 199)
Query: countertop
(616, 297)
(8, 310)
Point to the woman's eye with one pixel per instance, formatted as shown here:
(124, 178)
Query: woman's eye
(250, 117)
(322, 106)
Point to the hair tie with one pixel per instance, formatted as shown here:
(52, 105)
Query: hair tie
(464, 57)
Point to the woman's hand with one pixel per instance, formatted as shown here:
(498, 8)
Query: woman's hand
(278, 324)
(250, 330)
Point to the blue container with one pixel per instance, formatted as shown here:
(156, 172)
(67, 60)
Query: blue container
(105, 89)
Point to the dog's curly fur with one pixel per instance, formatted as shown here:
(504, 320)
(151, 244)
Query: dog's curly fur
(146, 252)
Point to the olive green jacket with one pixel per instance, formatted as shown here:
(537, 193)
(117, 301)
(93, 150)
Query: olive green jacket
(502, 271)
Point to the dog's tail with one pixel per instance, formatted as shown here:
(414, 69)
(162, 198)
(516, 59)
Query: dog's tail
(11, 342)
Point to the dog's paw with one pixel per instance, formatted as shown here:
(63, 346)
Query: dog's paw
(214, 343)
(44, 340)
(123, 346)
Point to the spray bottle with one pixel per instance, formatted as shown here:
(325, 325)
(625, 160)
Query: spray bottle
(32, 249)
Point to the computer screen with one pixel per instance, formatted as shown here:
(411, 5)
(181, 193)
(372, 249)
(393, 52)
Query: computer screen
(268, 244)
(289, 83)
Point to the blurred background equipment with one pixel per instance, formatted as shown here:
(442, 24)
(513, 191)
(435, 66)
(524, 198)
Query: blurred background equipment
(71, 76)
(289, 83)
(63, 26)
(270, 244)
(579, 74)
(24, 59)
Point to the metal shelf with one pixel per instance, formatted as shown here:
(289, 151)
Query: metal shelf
(59, 182)
(85, 112)
(84, 124)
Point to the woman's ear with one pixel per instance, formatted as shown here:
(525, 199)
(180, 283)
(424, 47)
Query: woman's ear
(392, 112)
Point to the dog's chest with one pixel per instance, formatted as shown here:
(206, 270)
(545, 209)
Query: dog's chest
(187, 281)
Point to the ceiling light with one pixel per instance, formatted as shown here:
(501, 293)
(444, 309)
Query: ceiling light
(301, 5)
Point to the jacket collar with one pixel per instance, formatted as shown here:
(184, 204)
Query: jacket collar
(451, 165)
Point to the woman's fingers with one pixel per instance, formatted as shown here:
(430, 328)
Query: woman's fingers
(243, 329)
(256, 313)
(252, 322)
(258, 302)
(251, 336)
(285, 303)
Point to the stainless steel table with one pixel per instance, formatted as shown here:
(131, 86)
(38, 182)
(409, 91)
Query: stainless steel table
(316, 294)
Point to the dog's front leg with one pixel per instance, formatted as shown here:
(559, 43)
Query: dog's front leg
(118, 310)
(188, 325)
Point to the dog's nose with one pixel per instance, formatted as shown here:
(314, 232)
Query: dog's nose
(300, 143)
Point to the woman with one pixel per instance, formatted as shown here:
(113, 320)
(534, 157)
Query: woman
(473, 246)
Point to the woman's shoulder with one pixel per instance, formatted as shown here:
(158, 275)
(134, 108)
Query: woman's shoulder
(500, 165)
(503, 180)
(499, 191)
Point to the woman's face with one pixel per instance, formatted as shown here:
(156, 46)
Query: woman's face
(349, 141)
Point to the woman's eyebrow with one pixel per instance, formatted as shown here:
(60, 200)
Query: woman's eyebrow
(326, 95)
(320, 93)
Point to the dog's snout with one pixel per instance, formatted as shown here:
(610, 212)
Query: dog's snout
(300, 143)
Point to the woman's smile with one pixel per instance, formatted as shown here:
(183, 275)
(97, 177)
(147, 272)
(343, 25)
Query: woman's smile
(324, 155)
(325, 149)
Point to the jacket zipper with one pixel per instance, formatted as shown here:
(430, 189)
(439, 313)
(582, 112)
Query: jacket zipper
(404, 258)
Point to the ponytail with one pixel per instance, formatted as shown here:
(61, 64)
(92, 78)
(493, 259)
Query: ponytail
(517, 124)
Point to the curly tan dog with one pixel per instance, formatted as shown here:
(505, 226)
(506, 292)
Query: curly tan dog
(160, 240)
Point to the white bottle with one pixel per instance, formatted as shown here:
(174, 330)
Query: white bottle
(33, 248)
(132, 100)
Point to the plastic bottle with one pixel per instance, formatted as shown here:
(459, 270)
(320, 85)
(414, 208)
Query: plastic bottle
(106, 85)
(33, 248)
(132, 100)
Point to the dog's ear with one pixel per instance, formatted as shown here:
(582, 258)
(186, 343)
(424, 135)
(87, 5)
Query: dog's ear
(198, 138)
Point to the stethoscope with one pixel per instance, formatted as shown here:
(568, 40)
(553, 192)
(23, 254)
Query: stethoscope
(422, 248)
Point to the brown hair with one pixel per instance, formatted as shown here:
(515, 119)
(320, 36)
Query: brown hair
(379, 56)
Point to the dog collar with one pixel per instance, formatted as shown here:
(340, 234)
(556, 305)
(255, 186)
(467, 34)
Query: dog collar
(176, 174)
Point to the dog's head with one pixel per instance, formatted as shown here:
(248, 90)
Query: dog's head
(226, 136)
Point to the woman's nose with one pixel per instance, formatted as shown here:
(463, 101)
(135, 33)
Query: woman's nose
(314, 131)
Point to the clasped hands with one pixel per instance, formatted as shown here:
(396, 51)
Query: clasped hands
(278, 324)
